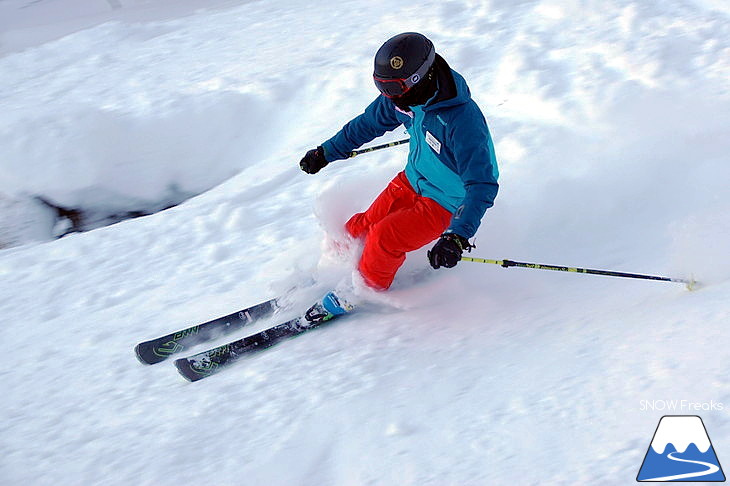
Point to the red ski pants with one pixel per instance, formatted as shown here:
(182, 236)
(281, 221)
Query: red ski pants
(398, 221)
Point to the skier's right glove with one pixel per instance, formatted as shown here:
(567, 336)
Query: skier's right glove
(447, 250)
(313, 161)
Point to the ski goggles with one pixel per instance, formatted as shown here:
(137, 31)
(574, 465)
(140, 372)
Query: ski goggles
(393, 88)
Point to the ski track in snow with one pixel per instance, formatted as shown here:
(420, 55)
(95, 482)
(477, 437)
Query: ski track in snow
(611, 132)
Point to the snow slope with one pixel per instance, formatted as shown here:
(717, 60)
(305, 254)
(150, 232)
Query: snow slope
(611, 126)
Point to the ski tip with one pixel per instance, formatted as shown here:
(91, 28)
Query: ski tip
(157, 350)
(145, 355)
(185, 368)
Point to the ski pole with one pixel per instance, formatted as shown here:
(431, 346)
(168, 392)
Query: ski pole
(377, 147)
(691, 284)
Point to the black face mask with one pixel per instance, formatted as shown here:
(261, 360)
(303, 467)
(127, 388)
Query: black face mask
(419, 94)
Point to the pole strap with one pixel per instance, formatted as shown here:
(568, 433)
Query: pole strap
(691, 284)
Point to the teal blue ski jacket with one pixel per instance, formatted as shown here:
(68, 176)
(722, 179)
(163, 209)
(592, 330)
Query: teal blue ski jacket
(451, 158)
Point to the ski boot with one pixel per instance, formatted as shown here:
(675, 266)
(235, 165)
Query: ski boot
(328, 308)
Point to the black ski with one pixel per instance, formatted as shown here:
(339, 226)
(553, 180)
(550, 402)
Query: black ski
(209, 362)
(156, 350)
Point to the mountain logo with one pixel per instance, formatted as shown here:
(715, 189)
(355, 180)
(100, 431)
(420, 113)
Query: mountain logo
(680, 451)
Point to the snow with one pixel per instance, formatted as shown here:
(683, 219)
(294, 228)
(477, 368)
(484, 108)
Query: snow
(610, 121)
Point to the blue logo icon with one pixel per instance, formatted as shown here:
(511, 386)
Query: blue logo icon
(681, 451)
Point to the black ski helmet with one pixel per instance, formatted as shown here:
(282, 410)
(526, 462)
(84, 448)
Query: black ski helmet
(402, 62)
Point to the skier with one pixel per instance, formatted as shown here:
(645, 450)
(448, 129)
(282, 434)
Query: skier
(450, 178)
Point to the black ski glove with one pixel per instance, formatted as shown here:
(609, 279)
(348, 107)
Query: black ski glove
(447, 250)
(313, 161)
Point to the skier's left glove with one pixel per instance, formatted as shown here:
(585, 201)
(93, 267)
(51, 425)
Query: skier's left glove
(447, 250)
